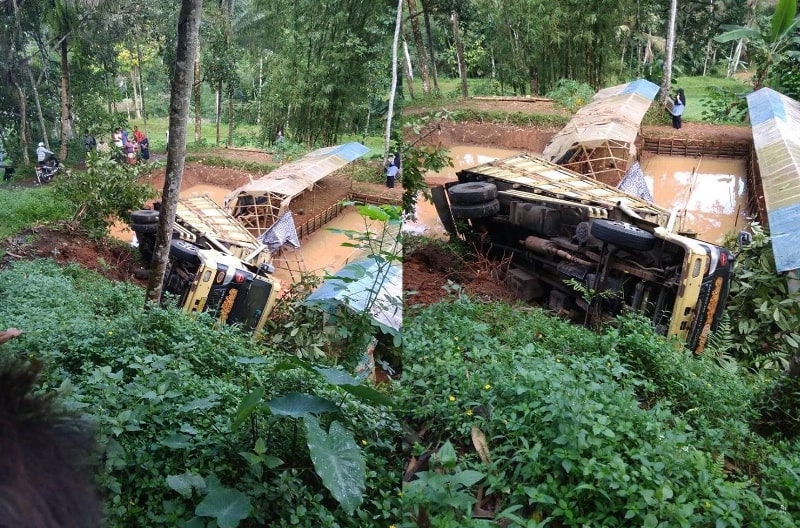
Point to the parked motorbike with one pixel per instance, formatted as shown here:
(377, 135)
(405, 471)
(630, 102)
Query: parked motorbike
(46, 170)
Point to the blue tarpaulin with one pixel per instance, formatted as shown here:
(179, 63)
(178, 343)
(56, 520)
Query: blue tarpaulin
(365, 282)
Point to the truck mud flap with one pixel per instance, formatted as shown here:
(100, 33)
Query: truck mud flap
(438, 195)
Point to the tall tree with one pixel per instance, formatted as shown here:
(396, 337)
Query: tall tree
(188, 29)
(422, 60)
(769, 46)
(389, 114)
(462, 65)
(666, 80)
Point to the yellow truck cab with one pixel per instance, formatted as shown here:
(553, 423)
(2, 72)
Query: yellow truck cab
(588, 250)
(215, 265)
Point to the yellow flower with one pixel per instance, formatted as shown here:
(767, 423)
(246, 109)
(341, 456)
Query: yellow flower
(110, 332)
(452, 398)
(364, 442)
(468, 412)
(487, 387)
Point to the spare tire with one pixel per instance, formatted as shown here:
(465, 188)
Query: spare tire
(144, 228)
(472, 193)
(481, 210)
(623, 234)
(183, 250)
(144, 216)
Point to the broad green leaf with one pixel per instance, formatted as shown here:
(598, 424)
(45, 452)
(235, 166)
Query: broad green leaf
(368, 394)
(336, 376)
(251, 360)
(737, 33)
(785, 11)
(200, 404)
(178, 441)
(184, 484)
(247, 405)
(298, 405)
(293, 362)
(466, 478)
(338, 461)
(226, 505)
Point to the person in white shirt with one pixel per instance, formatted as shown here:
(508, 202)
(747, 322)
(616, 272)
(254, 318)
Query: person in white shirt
(42, 154)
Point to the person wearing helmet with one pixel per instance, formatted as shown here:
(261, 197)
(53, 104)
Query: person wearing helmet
(42, 154)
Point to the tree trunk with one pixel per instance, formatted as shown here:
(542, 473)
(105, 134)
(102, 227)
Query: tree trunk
(230, 115)
(534, 74)
(141, 85)
(429, 34)
(218, 105)
(666, 82)
(409, 73)
(462, 67)
(39, 113)
(23, 121)
(188, 27)
(420, 45)
(135, 86)
(390, 111)
(67, 129)
(198, 107)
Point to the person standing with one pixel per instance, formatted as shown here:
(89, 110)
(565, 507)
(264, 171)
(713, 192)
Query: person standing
(678, 106)
(144, 148)
(391, 174)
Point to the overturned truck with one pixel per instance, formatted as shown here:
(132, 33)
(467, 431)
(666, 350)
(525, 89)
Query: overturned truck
(588, 250)
(215, 265)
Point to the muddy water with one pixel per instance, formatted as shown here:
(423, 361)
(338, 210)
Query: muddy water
(464, 157)
(708, 195)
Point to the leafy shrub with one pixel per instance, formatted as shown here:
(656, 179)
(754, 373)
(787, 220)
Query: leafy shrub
(184, 442)
(571, 94)
(724, 105)
(104, 192)
(767, 317)
(616, 429)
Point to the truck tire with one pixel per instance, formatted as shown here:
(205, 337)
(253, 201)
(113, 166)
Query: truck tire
(481, 210)
(623, 234)
(144, 228)
(182, 250)
(144, 216)
(472, 193)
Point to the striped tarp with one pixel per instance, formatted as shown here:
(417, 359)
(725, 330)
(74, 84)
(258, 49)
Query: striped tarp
(775, 120)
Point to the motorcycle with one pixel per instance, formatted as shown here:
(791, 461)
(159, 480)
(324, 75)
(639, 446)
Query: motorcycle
(46, 170)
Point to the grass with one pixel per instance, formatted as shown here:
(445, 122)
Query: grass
(21, 208)
(697, 92)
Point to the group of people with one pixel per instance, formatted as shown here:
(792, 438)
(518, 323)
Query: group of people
(131, 147)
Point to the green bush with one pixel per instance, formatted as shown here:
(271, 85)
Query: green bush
(106, 191)
(183, 442)
(571, 94)
(620, 428)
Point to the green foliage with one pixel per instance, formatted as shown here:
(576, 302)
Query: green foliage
(21, 208)
(418, 160)
(723, 105)
(443, 493)
(766, 316)
(379, 242)
(104, 192)
(622, 428)
(571, 94)
(179, 407)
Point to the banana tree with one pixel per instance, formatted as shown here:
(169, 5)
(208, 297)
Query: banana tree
(769, 46)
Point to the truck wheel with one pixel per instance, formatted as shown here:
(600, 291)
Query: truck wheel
(472, 193)
(182, 250)
(144, 216)
(481, 210)
(623, 234)
(144, 228)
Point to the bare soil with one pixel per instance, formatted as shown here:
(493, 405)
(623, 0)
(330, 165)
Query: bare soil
(425, 271)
